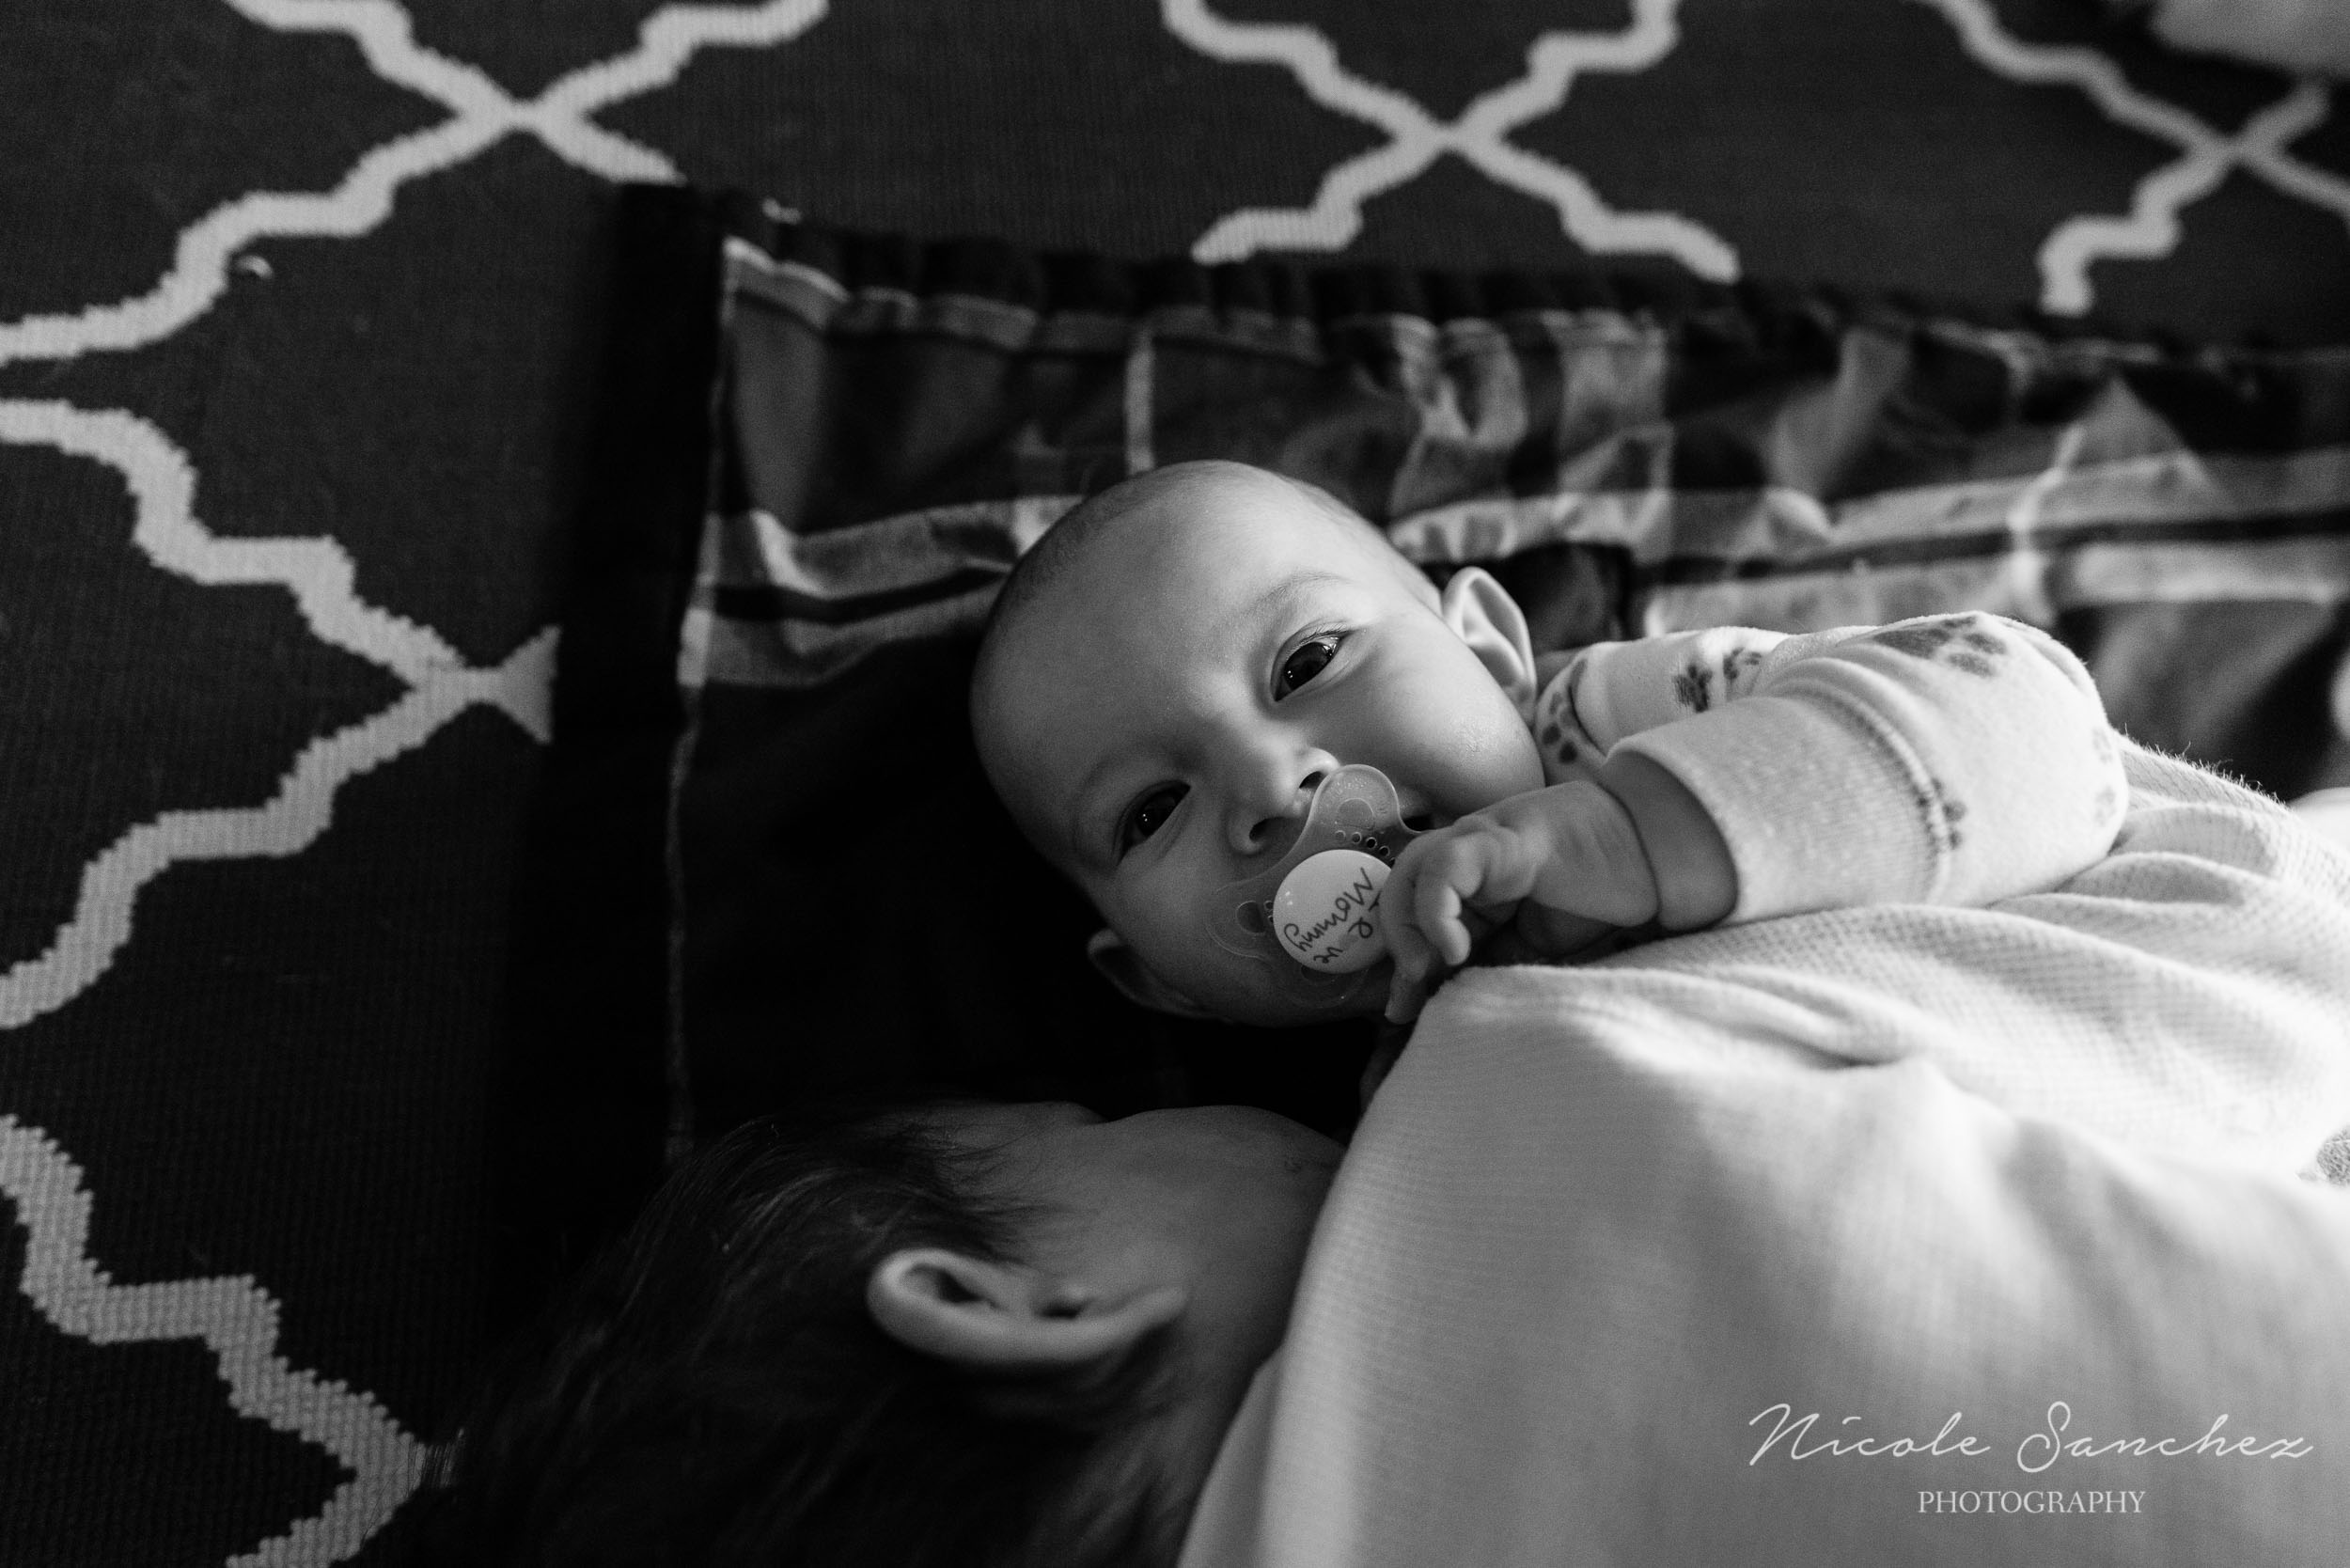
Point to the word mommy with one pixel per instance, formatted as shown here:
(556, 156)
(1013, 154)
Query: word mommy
(1350, 916)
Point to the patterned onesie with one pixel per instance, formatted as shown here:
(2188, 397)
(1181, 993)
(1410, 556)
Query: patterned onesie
(1952, 759)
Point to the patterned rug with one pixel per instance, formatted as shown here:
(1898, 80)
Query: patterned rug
(299, 302)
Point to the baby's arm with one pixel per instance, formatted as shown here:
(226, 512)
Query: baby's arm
(1950, 759)
(1738, 773)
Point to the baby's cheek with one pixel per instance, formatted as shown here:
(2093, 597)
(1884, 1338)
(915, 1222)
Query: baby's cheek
(1170, 934)
(1220, 982)
(1488, 762)
(1250, 990)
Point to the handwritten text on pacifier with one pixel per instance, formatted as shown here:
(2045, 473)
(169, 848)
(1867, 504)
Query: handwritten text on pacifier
(1325, 913)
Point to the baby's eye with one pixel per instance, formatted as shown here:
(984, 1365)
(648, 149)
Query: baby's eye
(1310, 660)
(1147, 815)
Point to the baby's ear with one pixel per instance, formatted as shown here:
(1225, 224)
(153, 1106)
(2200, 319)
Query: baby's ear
(1124, 968)
(1489, 621)
(1006, 1320)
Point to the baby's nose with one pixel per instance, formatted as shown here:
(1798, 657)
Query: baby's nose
(1274, 833)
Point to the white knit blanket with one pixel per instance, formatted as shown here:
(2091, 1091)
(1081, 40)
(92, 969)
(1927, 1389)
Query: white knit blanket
(2014, 1185)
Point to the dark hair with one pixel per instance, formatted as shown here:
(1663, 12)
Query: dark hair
(715, 1391)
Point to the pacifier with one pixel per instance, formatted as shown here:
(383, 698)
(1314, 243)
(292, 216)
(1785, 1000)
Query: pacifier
(1314, 914)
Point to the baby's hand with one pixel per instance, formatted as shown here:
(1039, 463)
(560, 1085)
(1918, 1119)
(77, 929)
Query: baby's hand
(1560, 865)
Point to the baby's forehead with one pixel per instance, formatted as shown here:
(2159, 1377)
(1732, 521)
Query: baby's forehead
(1203, 547)
(1141, 599)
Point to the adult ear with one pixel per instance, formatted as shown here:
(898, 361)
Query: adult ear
(1006, 1320)
(1482, 612)
(1124, 967)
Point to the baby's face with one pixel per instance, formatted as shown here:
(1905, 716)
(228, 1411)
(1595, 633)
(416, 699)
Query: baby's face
(1160, 717)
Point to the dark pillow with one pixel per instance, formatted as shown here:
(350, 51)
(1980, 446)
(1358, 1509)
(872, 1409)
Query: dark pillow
(768, 866)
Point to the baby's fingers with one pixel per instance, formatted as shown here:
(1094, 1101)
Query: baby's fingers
(1451, 873)
(1406, 946)
(1407, 993)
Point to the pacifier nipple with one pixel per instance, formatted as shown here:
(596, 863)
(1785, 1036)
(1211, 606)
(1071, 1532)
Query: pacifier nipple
(1314, 915)
(1327, 912)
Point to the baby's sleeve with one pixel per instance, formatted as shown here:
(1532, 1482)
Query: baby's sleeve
(1953, 759)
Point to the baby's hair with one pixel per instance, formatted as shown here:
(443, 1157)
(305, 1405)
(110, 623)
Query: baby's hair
(1063, 542)
(714, 1390)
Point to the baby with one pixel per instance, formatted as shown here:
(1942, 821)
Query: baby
(1178, 664)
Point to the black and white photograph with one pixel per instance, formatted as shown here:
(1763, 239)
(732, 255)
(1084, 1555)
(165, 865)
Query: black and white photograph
(1175, 783)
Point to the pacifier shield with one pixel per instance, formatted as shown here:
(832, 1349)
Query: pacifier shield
(1325, 887)
(1327, 912)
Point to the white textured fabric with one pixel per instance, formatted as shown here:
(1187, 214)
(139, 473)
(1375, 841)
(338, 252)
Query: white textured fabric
(1893, 1164)
(1952, 759)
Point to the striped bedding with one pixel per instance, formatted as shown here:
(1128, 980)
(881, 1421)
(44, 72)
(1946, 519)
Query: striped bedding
(772, 852)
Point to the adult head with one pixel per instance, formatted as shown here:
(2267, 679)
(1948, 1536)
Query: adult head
(964, 1334)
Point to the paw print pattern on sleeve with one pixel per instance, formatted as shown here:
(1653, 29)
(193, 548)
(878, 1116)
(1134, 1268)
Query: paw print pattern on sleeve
(1557, 743)
(1942, 811)
(1610, 691)
(1959, 640)
(1568, 749)
(1733, 667)
(1738, 667)
(1693, 687)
